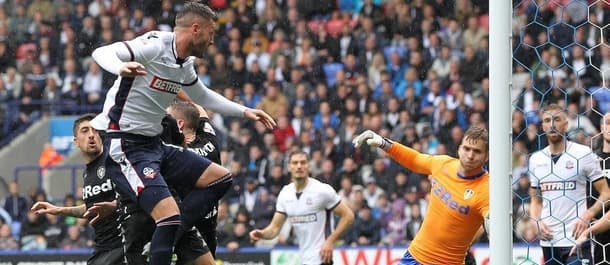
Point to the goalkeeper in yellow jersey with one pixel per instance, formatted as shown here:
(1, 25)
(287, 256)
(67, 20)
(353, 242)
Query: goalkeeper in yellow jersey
(459, 202)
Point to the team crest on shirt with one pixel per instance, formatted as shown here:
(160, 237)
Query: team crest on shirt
(569, 164)
(309, 201)
(468, 193)
(149, 173)
(101, 172)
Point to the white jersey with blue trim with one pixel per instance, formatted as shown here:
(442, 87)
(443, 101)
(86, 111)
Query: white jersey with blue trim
(310, 214)
(563, 187)
(138, 104)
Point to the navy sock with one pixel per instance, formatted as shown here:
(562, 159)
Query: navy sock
(162, 243)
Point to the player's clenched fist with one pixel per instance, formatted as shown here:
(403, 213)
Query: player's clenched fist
(132, 69)
(372, 139)
(256, 235)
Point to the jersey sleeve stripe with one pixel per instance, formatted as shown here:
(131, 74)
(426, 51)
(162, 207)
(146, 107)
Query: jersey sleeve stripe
(192, 83)
(121, 97)
(130, 51)
(327, 224)
(281, 212)
(334, 206)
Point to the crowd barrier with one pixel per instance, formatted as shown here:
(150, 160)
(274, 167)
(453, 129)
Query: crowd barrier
(277, 256)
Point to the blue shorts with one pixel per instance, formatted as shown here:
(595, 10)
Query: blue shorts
(143, 167)
(407, 259)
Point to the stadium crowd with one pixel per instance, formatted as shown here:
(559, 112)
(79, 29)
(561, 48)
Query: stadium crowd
(411, 70)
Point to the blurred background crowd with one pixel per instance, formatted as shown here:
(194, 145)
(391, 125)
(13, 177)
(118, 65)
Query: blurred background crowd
(415, 71)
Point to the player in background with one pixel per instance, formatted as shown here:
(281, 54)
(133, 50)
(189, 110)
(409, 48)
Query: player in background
(199, 136)
(459, 201)
(151, 70)
(308, 204)
(559, 174)
(98, 194)
(601, 229)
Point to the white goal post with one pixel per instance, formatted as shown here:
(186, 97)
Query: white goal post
(500, 140)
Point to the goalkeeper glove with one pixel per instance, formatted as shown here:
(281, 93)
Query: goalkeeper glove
(372, 139)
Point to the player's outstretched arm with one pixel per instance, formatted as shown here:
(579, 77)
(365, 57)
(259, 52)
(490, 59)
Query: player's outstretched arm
(272, 230)
(116, 58)
(407, 157)
(49, 208)
(100, 210)
(215, 102)
(346, 219)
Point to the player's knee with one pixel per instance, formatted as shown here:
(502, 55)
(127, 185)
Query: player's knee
(213, 174)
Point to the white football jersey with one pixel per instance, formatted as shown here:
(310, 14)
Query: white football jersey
(563, 187)
(137, 104)
(310, 215)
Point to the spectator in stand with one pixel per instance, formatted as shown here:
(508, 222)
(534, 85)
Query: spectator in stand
(366, 230)
(225, 221)
(239, 238)
(284, 134)
(264, 207)
(395, 229)
(49, 157)
(7, 241)
(328, 174)
(74, 239)
(277, 179)
(32, 232)
(15, 204)
(54, 231)
(92, 84)
(274, 102)
(415, 223)
(372, 192)
(249, 194)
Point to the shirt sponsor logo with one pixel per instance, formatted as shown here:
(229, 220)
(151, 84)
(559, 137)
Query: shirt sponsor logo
(205, 150)
(303, 219)
(557, 185)
(445, 196)
(165, 85)
(92, 190)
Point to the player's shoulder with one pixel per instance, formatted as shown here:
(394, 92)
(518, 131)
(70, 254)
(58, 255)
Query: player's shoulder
(443, 159)
(161, 39)
(320, 186)
(316, 183)
(288, 188)
(540, 154)
(577, 148)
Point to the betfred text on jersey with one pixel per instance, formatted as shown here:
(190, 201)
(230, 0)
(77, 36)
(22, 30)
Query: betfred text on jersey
(165, 85)
(92, 190)
(305, 218)
(557, 185)
(445, 196)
